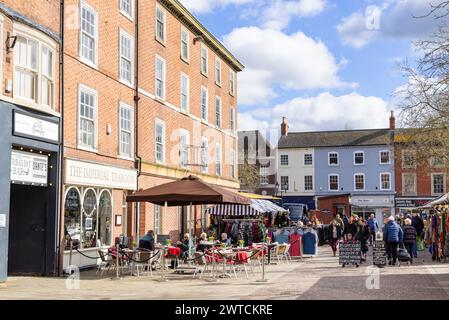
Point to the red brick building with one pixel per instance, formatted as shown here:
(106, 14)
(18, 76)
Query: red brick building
(150, 96)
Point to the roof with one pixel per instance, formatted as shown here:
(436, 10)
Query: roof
(200, 30)
(335, 138)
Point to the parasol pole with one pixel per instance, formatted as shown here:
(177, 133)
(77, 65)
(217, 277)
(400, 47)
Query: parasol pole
(190, 231)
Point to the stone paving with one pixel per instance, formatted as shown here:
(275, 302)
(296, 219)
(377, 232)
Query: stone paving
(319, 277)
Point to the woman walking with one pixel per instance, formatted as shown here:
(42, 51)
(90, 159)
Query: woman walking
(363, 236)
(334, 235)
(410, 236)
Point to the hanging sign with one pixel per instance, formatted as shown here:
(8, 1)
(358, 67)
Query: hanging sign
(29, 168)
(35, 127)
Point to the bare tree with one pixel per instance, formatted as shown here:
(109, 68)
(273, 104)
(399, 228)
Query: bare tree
(425, 99)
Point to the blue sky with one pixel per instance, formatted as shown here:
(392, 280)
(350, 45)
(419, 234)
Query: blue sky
(323, 64)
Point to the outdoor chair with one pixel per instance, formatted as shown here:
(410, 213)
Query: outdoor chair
(107, 262)
(284, 253)
(256, 258)
(241, 264)
(201, 262)
(274, 252)
(144, 259)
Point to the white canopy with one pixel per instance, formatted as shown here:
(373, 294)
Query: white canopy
(257, 207)
(444, 199)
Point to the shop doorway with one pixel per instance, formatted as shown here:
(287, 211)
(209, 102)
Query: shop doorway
(27, 232)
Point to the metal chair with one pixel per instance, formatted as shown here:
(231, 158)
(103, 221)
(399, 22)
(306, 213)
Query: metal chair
(107, 262)
(284, 252)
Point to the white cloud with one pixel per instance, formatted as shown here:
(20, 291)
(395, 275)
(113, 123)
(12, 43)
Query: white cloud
(323, 112)
(278, 13)
(396, 19)
(275, 59)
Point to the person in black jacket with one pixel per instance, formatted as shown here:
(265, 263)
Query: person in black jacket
(350, 228)
(147, 241)
(363, 235)
(409, 237)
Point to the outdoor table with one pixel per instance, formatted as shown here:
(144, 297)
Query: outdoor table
(224, 255)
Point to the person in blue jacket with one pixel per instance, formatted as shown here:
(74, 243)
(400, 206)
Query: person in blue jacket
(373, 228)
(393, 235)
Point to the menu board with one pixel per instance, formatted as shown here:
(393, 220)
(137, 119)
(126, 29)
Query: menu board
(379, 253)
(350, 252)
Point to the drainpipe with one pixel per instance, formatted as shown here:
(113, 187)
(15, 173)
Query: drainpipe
(59, 227)
(138, 159)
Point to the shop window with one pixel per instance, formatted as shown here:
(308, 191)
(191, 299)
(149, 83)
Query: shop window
(89, 219)
(105, 219)
(72, 217)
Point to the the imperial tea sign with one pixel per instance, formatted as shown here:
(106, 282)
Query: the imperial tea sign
(29, 168)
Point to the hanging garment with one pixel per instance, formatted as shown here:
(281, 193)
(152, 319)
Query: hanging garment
(295, 245)
(309, 243)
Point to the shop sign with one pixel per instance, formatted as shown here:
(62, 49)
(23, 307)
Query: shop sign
(97, 175)
(411, 203)
(29, 168)
(372, 201)
(35, 127)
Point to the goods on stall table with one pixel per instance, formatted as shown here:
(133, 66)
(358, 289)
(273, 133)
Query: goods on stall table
(350, 253)
(379, 253)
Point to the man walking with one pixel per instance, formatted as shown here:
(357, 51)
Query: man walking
(393, 236)
(373, 228)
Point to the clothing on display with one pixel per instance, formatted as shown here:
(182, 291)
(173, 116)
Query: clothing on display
(309, 242)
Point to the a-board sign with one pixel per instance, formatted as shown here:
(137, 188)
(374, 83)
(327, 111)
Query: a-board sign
(350, 252)
(379, 253)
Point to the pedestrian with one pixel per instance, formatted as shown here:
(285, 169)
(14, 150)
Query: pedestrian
(334, 235)
(418, 224)
(393, 236)
(373, 228)
(409, 237)
(363, 235)
(350, 229)
(339, 221)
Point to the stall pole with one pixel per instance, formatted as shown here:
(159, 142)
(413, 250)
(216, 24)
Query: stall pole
(263, 259)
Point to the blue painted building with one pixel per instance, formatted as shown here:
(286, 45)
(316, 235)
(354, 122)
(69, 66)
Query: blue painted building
(354, 167)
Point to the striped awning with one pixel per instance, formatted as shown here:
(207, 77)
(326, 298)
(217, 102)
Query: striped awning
(257, 207)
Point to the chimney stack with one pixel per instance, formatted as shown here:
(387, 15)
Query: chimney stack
(392, 121)
(284, 127)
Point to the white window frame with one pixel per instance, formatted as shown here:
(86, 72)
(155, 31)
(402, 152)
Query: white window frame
(205, 164)
(232, 119)
(186, 108)
(161, 123)
(389, 180)
(218, 160)
(433, 186)
(206, 50)
(162, 41)
(131, 39)
(415, 192)
(263, 173)
(354, 156)
(187, 33)
(128, 15)
(186, 134)
(232, 163)
(263, 180)
(42, 41)
(85, 60)
(308, 154)
(204, 89)
(404, 152)
(88, 90)
(329, 160)
(355, 181)
(123, 105)
(288, 183)
(232, 82)
(305, 189)
(329, 182)
(164, 81)
(280, 160)
(380, 157)
(218, 121)
(218, 72)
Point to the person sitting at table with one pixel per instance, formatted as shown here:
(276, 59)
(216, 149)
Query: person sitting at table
(202, 243)
(147, 241)
(225, 239)
(184, 246)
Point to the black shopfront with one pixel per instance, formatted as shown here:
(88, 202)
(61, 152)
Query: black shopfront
(29, 191)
